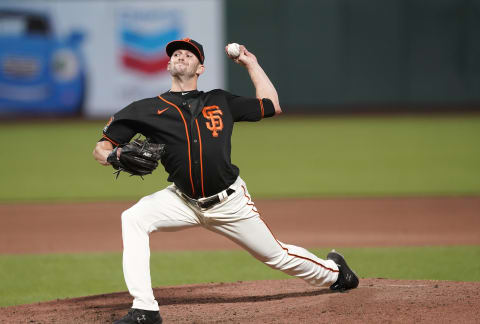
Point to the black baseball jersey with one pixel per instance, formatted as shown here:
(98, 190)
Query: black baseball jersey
(196, 128)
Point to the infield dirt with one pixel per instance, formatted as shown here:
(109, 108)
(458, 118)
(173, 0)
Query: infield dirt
(47, 228)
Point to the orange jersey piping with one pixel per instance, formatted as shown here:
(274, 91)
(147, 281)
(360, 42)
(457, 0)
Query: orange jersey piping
(201, 158)
(110, 140)
(261, 107)
(188, 141)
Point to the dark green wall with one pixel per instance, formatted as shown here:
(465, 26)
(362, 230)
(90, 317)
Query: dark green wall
(353, 53)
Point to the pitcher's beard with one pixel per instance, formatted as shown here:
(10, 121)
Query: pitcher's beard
(181, 73)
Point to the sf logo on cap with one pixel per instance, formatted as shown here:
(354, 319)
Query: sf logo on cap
(214, 115)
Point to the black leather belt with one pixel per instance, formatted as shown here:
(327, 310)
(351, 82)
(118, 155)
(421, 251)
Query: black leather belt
(207, 202)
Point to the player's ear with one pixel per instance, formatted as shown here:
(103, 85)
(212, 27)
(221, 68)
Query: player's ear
(200, 69)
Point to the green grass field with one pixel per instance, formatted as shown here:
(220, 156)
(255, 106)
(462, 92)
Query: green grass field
(278, 157)
(282, 157)
(32, 278)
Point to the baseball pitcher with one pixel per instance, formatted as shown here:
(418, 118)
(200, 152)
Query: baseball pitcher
(189, 132)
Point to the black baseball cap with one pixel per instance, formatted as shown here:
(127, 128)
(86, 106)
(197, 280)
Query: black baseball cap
(188, 44)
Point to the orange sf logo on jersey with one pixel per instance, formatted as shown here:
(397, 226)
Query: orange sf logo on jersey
(214, 115)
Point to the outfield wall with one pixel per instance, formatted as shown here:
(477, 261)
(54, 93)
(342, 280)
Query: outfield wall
(337, 53)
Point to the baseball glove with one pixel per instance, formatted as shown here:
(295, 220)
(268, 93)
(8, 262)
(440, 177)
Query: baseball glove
(138, 158)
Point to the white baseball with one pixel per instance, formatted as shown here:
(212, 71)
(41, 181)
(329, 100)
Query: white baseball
(233, 50)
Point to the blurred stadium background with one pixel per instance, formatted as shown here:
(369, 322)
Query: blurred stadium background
(90, 58)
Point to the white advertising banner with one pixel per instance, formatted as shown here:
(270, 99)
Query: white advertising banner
(121, 45)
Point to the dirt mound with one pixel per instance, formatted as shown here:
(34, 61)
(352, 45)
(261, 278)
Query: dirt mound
(274, 301)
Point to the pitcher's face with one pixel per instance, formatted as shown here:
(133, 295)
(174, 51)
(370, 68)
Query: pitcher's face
(184, 63)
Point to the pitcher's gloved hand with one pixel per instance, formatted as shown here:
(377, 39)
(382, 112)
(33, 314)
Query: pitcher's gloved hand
(139, 157)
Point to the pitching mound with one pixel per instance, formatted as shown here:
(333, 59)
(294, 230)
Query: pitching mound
(274, 301)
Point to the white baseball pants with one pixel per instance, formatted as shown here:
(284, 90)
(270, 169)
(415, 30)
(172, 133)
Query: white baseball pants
(235, 218)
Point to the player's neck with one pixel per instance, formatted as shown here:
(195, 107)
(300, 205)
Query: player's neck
(183, 85)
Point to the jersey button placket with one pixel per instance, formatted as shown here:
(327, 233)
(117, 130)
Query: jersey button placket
(196, 165)
(195, 161)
